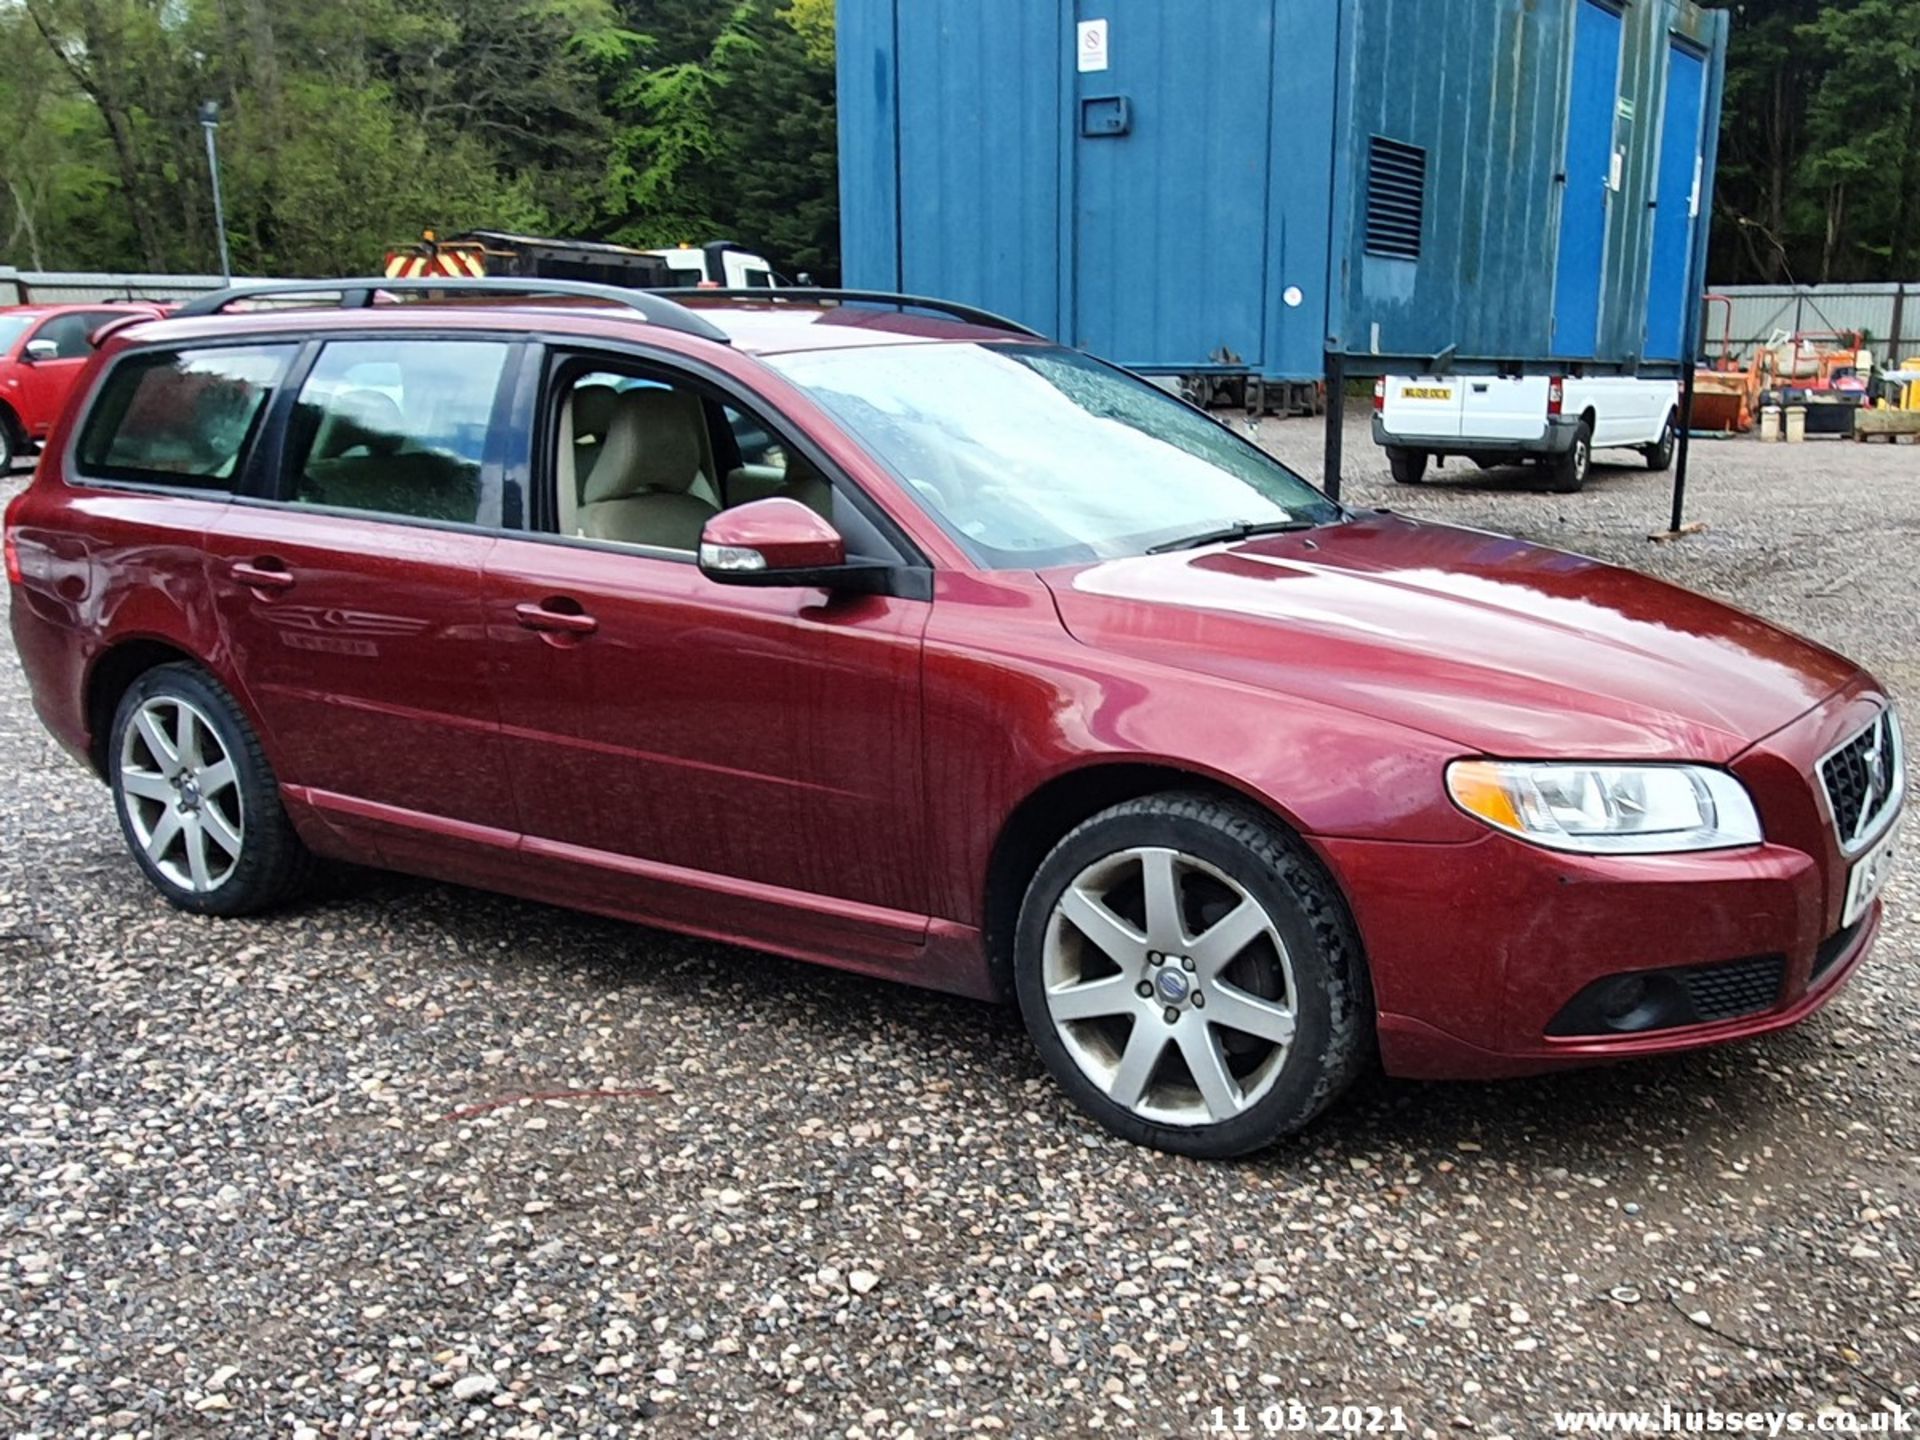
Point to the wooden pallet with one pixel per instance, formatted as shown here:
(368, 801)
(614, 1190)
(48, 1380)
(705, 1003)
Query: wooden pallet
(1894, 426)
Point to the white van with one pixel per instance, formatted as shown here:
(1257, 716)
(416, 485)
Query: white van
(1558, 421)
(719, 263)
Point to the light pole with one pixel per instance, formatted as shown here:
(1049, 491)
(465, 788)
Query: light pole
(210, 122)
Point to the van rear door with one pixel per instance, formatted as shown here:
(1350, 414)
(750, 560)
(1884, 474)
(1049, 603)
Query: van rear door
(1423, 406)
(1494, 407)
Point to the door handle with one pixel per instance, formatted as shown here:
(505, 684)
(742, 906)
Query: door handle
(554, 622)
(262, 574)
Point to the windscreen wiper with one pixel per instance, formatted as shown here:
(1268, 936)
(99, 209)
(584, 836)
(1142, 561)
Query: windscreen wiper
(1239, 530)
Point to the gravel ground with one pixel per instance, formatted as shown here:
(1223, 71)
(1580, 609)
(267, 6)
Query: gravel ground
(415, 1160)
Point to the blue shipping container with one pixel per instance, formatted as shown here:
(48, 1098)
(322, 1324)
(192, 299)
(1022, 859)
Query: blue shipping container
(1271, 185)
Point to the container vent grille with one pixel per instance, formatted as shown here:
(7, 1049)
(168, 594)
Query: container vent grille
(1396, 198)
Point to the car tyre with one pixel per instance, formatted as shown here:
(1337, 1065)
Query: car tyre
(1660, 453)
(1262, 933)
(198, 802)
(1567, 471)
(1409, 467)
(10, 446)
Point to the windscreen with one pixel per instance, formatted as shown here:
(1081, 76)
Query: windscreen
(1034, 455)
(12, 327)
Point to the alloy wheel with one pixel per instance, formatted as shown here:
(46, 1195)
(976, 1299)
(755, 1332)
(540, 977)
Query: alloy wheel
(1169, 986)
(181, 794)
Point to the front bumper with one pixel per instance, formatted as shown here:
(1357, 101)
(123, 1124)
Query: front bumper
(1555, 439)
(1475, 994)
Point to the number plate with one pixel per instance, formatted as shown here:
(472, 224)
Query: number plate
(1869, 876)
(1426, 392)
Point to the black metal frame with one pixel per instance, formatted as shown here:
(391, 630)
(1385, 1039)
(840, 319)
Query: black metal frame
(360, 293)
(812, 294)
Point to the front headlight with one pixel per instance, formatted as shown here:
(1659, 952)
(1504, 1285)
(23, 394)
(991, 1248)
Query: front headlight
(1607, 809)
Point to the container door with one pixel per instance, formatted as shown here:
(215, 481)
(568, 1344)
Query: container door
(979, 112)
(1676, 204)
(1170, 123)
(1590, 179)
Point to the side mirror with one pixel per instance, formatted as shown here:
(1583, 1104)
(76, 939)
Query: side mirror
(38, 350)
(778, 541)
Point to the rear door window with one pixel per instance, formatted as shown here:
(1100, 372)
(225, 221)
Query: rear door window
(181, 417)
(399, 428)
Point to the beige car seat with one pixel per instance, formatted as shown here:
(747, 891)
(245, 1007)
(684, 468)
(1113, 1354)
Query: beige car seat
(807, 485)
(591, 410)
(650, 460)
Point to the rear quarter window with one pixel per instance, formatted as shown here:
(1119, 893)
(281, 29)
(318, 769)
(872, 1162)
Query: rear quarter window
(181, 417)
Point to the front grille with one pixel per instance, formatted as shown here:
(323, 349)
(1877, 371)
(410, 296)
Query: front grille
(1864, 780)
(1720, 992)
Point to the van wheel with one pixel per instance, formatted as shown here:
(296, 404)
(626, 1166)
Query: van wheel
(1567, 471)
(1191, 977)
(197, 801)
(1409, 466)
(1660, 453)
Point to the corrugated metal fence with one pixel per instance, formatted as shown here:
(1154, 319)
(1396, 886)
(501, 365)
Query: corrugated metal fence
(75, 287)
(1762, 311)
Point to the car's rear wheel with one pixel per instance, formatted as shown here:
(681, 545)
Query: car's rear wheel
(1190, 976)
(1567, 471)
(197, 801)
(1409, 467)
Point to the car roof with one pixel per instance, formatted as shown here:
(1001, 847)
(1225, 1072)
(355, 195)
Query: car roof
(752, 327)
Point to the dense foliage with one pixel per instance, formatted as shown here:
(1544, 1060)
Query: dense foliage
(349, 125)
(1819, 142)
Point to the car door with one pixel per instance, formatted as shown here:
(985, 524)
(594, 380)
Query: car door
(47, 380)
(347, 581)
(740, 761)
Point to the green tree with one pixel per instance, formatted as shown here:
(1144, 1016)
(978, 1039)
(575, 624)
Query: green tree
(348, 126)
(736, 139)
(1863, 127)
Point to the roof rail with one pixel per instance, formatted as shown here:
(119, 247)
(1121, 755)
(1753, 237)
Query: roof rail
(359, 294)
(968, 313)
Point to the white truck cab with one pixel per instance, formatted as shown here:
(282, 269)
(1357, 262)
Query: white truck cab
(720, 264)
(1558, 421)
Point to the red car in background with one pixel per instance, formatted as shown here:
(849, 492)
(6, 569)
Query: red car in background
(43, 349)
(921, 646)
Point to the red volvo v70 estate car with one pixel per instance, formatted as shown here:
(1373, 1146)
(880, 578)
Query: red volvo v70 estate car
(892, 636)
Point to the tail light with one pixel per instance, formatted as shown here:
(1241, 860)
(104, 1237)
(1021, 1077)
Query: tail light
(12, 543)
(1556, 394)
(1380, 393)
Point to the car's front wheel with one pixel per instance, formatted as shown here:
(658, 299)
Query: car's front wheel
(197, 800)
(1191, 977)
(1660, 453)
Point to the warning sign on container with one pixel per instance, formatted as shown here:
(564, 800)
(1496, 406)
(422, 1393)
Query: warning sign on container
(1091, 44)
